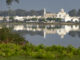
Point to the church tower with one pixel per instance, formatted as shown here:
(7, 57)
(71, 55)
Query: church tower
(44, 13)
(62, 10)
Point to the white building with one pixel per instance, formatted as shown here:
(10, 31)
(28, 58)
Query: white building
(65, 16)
(20, 18)
(75, 19)
(1, 17)
(49, 15)
(30, 17)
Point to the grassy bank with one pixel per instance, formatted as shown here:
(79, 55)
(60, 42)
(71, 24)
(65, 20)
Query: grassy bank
(41, 23)
(29, 58)
(39, 52)
(13, 46)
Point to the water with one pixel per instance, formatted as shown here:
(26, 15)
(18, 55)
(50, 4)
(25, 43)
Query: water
(48, 35)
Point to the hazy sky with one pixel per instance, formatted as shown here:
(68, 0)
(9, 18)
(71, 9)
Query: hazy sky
(50, 5)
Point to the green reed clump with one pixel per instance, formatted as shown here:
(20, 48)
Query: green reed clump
(11, 49)
(7, 36)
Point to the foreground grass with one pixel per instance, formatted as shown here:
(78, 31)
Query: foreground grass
(29, 58)
(14, 47)
(38, 52)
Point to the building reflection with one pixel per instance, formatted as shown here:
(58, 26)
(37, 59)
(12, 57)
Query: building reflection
(43, 30)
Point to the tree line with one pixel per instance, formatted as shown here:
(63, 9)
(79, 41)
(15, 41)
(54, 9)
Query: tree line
(21, 12)
(74, 12)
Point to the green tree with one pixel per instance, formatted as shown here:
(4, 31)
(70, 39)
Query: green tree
(9, 2)
(11, 18)
(73, 12)
(4, 19)
(34, 18)
(78, 12)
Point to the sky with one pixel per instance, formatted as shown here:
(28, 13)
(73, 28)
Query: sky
(49, 5)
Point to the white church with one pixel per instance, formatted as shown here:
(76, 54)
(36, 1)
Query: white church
(62, 14)
(65, 16)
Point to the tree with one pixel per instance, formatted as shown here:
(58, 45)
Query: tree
(9, 2)
(78, 14)
(11, 18)
(73, 12)
(4, 19)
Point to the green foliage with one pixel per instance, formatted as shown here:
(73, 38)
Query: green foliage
(39, 52)
(11, 18)
(9, 2)
(43, 19)
(15, 47)
(20, 12)
(78, 14)
(34, 19)
(54, 19)
(73, 12)
(7, 36)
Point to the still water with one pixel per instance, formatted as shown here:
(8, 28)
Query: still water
(48, 35)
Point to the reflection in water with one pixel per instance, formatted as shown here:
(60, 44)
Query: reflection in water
(48, 29)
(49, 34)
(74, 33)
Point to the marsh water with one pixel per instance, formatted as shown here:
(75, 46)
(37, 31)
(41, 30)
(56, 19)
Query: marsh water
(48, 35)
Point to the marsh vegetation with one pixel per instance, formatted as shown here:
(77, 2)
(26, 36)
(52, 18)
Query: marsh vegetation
(12, 44)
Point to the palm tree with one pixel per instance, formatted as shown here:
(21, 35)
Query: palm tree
(9, 2)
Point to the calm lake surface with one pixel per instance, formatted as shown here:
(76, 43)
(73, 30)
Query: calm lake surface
(48, 35)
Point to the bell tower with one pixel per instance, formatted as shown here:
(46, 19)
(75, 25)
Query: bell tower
(62, 10)
(44, 13)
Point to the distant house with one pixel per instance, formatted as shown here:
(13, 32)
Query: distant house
(20, 18)
(1, 18)
(49, 15)
(75, 19)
